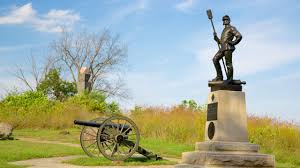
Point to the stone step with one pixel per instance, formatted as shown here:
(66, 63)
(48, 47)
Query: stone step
(226, 159)
(226, 146)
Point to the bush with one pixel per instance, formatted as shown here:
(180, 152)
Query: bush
(32, 109)
(55, 87)
(95, 102)
(279, 138)
(25, 99)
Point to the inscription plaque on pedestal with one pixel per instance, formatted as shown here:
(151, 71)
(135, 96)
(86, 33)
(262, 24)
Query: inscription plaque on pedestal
(212, 111)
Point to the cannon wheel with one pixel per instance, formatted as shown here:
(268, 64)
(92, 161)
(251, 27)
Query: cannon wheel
(118, 138)
(88, 139)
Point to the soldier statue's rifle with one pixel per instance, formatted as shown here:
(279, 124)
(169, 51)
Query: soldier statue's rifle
(210, 17)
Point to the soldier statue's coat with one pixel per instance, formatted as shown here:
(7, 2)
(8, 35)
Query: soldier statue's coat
(229, 38)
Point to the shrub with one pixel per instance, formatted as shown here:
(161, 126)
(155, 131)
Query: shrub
(55, 87)
(25, 100)
(95, 102)
(34, 110)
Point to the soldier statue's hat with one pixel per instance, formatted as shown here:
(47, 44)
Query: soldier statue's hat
(226, 17)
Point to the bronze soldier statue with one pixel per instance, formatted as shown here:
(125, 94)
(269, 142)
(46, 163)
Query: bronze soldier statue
(229, 38)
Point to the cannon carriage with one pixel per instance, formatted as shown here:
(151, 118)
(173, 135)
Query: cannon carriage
(116, 138)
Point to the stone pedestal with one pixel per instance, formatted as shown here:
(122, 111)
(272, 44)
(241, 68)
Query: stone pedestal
(226, 137)
(226, 114)
(83, 83)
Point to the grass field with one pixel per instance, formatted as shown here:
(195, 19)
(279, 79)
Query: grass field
(18, 150)
(159, 146)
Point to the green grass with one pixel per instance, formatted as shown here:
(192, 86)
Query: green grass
(162, 147)
(138, 161)
(287, 159)
(19, 150)
(286, 165)
(165, 148)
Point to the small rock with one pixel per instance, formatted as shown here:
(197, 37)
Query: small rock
(6, 131)
(64, 132)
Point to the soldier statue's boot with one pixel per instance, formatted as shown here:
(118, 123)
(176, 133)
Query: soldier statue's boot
(216, 62)
(218, 78)
(219, 72)
(229, 73)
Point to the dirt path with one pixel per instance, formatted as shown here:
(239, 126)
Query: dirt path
(56, 162)
(48, 142)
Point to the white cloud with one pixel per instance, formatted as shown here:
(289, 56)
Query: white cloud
(265, 47)
(14, 47)
(53, 21)
(185, 5)
(129, 9)
(19, 15)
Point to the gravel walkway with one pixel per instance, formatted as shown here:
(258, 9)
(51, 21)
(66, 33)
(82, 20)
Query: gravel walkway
(56, 162)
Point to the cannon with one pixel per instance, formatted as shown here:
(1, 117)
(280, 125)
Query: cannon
(116, 138)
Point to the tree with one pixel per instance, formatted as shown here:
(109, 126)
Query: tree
(103, 54)
(191, 104)
(55, 87)
(36, 72)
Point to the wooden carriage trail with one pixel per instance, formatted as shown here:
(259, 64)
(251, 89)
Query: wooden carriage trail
(57, 161)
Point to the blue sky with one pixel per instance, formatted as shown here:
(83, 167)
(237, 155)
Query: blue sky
(170, 46)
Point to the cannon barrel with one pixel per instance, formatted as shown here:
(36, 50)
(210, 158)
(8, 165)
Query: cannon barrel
(95, 124)
(87, 123)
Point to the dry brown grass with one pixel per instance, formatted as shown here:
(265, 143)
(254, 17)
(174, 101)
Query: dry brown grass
(185, 125)
(57, 115)
(176, 124)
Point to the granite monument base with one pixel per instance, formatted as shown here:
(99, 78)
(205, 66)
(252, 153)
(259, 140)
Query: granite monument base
(226, 138)
(218, 154)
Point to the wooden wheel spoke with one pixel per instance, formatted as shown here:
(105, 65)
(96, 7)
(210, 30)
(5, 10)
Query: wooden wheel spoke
(127, 129)
(90, 134)
(107, 146)
(114, 150)
(94, 148)
(129, 147)
(105, 135)
(93, 130)
(91, 144)
(89, 139)
(107, 140)
(122, 127)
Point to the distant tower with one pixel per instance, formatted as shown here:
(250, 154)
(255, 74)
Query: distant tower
(83, 83)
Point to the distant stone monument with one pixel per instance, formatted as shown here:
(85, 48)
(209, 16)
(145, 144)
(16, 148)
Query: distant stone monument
(226, 136)
(83, 83)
